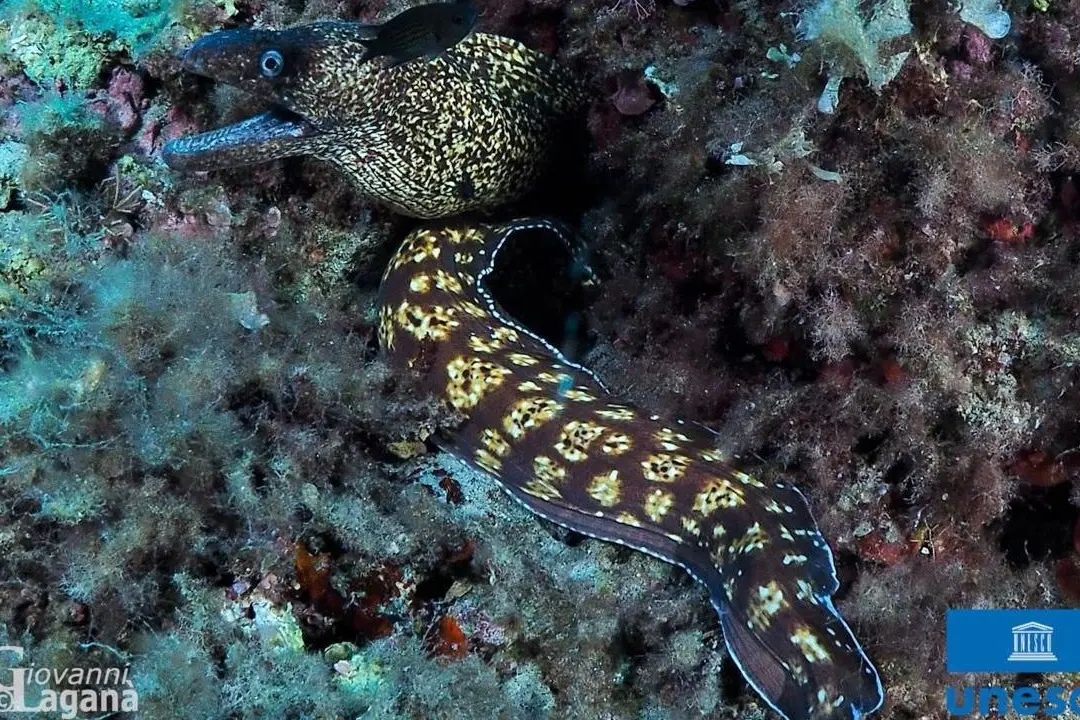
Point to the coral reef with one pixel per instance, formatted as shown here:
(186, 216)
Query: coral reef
(208, 472)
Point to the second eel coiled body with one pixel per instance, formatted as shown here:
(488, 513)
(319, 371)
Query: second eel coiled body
(551, 435)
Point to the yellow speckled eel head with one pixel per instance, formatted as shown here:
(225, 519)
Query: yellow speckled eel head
(550, 434)
(467, 130)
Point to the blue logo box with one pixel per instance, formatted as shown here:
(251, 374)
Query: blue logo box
(1012, 641)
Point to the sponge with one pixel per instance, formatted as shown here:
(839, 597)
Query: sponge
(853, 43)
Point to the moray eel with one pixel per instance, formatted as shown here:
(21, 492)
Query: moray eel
(551, 435)
(465, 131)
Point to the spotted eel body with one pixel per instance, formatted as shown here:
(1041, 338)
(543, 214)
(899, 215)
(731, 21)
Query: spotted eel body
(553, 437)
(467, 130)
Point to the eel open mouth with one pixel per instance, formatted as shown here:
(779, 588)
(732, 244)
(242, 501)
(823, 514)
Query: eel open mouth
(233, 57)
(270, 135)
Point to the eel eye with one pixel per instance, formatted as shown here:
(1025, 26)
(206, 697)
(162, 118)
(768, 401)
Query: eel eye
(271, 63)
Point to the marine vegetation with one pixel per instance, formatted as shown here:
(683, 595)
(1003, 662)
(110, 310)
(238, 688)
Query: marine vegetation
(840, 240)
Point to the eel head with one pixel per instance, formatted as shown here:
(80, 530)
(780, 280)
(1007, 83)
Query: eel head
(297, 71)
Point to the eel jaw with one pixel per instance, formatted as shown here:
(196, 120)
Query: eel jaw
(274, 134)
(231, 57)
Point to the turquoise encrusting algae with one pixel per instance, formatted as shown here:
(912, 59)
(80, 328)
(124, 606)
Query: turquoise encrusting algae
(469, 129)
(553, 437)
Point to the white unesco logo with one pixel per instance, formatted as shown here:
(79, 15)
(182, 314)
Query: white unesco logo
(1033, 642)
(68, 691)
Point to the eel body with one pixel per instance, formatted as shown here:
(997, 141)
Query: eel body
(551, 435)
(467, 130)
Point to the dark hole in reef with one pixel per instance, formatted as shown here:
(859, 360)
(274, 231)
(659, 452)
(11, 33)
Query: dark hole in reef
(948, 427)
(433, 587)
(847, 571)
(744, 356)
(324, 543)
(371, 349)
(731, 337)
(539, 286)
(765, 456)
(1073, 252)
(567, 536)
(1038, 525)
(259, 482)
(249, 401)
(212, 564)
(716, 165)
(630, 644)
(899, 175)
(902, 498)
(899, 471)
(691, 291)
(564, 185)
(979, 256)
(1065, 437)
(24, 507)
(868, 445)
(732, 682)
(799, 364)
